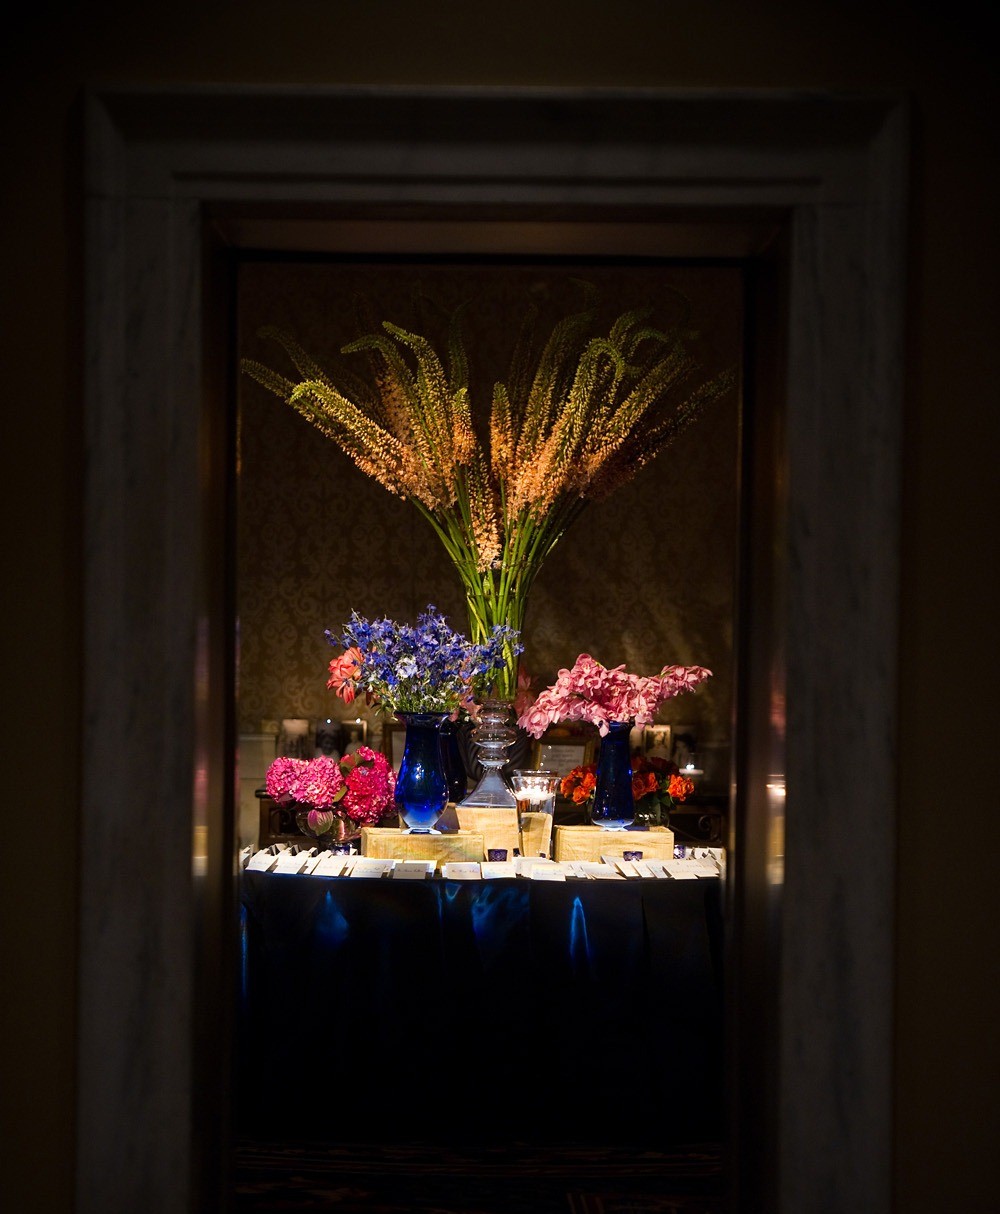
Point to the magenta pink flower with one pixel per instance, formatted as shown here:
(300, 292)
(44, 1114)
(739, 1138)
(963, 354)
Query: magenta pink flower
(592, 692)
(358, 787)
(370, 783)
(281, 776)
(319, 784)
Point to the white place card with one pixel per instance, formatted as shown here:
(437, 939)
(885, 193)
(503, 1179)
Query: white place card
(412, 870)
(245, 855)
(262, 862)
(461, 870)
(680, 870)
(656, 868)
(546, 872)
(642, 868)
(492, 869)
(291, 862)
(329, 864)
(705, 868)
(626, 868)
(368, 866)
(597, 871)
(525, 864)
(574, 868)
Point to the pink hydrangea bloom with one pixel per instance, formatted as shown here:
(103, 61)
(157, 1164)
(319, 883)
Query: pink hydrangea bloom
(358, 787)
(281, 776)
(592, 692)
(370, 783)
(319, 783)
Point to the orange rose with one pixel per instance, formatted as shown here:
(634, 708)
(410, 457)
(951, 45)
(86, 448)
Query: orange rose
(680, 787)
(643, 783)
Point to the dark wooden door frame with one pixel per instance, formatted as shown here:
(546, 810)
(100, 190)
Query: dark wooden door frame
(811, 914)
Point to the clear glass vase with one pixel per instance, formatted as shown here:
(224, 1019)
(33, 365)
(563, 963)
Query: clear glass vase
(493, 735)
(329, 829)
(421, 786)
(613, 806)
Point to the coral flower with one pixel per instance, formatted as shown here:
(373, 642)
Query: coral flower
(344, 672)
(644, 782)
(680, 787)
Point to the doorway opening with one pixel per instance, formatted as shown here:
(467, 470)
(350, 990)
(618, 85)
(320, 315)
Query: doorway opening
(657, 568)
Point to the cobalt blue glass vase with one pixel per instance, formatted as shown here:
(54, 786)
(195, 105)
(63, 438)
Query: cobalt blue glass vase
(613, 806)
(454, 768)
(421, 786)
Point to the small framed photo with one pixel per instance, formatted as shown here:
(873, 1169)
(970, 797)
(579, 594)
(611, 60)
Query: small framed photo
(393, 740)
(656, 741)
(561, 752)
(353, 734)
(328, 738)
(684, 747)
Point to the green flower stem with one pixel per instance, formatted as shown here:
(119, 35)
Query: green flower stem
(499, 596)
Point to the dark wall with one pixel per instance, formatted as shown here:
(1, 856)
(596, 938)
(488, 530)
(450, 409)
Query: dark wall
(946, 1080)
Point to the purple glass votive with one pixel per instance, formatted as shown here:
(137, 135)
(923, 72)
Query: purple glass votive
(631, 855)
(496, 853)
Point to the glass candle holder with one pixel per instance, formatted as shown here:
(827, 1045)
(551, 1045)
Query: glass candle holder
(536, 802)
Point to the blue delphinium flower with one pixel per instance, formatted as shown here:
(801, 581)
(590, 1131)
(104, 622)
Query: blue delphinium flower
(427, 668)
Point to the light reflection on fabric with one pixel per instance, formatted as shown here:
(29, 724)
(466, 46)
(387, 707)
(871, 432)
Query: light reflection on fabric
(332, 929)
(579, 945)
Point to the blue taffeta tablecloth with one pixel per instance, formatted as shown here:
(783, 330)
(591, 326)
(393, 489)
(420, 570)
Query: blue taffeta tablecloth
(537, 1011)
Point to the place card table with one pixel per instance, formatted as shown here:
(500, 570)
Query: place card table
(503, 1010)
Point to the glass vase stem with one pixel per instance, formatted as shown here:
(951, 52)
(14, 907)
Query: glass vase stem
(494, 737)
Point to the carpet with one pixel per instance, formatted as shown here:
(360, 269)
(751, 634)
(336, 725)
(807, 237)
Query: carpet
(353, 1178)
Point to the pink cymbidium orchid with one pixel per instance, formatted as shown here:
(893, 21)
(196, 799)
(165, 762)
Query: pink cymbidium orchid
(592, 692)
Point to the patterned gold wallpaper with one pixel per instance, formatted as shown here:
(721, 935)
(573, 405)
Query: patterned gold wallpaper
(645, 578)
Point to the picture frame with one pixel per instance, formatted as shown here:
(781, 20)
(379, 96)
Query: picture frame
(296, 738)
(328, 737)
(657, 741)
(393, 740)
(353, 732)
(684, 746)
(562, 752)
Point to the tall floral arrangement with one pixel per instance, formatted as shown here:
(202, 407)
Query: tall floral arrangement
(579, 414)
